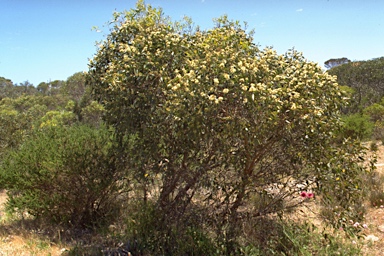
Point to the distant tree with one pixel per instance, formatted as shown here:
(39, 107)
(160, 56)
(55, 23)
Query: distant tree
(51, 87)
(26, 88)
(331, 63)
(6, 87)
(11, 90)
(74, 86)
(4, 82)
(43, 88)
(55, 86)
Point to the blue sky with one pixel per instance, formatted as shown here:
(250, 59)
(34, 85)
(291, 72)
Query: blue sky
(43, 40)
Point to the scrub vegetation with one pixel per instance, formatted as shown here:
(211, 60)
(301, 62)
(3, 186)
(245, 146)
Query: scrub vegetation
(181, 141)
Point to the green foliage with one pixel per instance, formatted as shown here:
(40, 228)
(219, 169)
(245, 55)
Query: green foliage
(55, 118)
(92, 114)
(366, 78)
(75, 86)
(51, 88)
(375, 112)
(218, 121)
(151, 238)
(358, 126)
(21, 115)
(286, 238)
(23, 103)
(6, 87)
(306, 239)
(347, 90)
(10, 90)
(43, 88)
(63, 174)
(14, 126)
(344, 185)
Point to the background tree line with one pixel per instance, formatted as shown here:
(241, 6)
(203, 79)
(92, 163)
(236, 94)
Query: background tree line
(364, 81)
(25, 107)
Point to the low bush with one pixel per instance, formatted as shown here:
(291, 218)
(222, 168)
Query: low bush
(358, 126)
(146, 228)
(63, 174)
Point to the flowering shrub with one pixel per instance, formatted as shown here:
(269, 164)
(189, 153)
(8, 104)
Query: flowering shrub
(217, 121)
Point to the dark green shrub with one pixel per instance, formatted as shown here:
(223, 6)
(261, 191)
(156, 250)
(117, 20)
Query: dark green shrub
(63, 174)
(358, 126)
(375, 112)
(146, 227)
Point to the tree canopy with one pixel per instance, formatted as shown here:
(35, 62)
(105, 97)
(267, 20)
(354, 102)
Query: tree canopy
(331, 63)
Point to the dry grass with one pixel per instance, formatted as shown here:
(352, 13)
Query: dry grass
(374, 217)
(17, 239)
